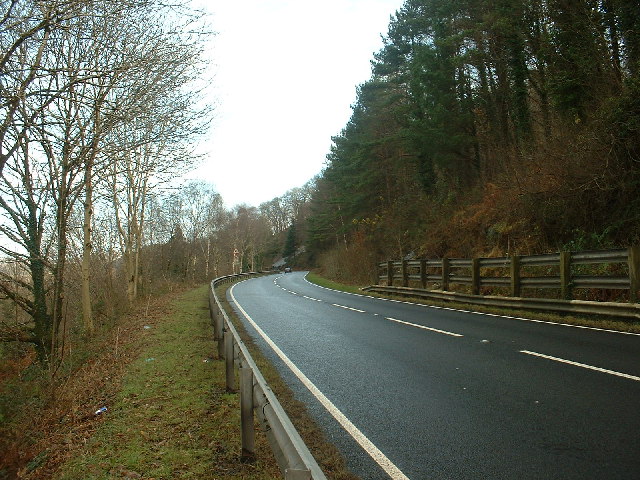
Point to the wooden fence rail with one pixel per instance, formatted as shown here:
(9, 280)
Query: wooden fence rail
(561, 271)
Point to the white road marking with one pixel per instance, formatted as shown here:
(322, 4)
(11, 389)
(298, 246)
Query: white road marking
(583, 365)
(522, 319)
(380, 458)
(311, 298)
(348, 308)
(424, 328)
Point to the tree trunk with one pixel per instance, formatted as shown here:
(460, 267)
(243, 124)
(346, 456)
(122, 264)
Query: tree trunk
(58, 271)
(41, 318)
(129, 265)
(87, 314)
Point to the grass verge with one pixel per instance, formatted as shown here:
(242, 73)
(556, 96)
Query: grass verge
(172, 417)
(325, 282)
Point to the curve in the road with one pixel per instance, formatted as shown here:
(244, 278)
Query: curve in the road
(374, 452)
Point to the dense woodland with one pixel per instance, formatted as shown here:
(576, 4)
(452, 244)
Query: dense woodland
(487, 127)
(98, 109)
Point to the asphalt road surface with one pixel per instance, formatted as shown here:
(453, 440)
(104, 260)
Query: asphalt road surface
(408, 391)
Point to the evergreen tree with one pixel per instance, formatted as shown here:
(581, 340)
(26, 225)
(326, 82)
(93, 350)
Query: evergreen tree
(290, 246)
(475, 100)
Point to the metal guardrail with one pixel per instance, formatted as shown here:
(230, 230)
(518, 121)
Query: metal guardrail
(292, 455)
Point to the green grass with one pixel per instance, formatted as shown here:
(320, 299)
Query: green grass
(172, 417)
(325, 282)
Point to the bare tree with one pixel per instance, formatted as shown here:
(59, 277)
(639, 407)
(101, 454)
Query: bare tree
(202, 216)
(275, 211)
(89, 100)
(27, 28)
(24, 196)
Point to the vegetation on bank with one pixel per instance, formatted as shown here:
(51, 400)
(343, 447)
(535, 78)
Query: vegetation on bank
(167, 412)
(327, 283)
(488, 128)
(172, 417)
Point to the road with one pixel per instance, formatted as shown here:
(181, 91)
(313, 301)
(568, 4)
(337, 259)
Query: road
(408, 391)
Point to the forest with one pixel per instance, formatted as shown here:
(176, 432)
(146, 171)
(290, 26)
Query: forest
(490, 127)
(487, 127)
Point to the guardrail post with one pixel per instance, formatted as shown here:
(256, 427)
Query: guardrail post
(634, 273)
(445, 274)
(565, 275)
(211, 314)
(515, 276)
(389, 273)
(219, 329)
(475, 276)
(246, 414)
(405, 274)
(228, 357)
(292, 455)
(423, 273)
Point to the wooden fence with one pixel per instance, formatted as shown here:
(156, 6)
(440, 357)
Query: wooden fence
(564, 271)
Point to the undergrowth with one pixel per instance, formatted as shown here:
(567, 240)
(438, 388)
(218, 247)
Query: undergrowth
(172, 417)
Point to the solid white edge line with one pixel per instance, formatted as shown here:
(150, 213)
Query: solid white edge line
(380, 458)
(424, 327)
(523, 319)
(583, 365)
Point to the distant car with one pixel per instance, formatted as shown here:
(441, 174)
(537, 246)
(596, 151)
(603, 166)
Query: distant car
(287, 269)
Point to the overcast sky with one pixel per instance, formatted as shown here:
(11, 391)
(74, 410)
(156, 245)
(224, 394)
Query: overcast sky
(286, 74)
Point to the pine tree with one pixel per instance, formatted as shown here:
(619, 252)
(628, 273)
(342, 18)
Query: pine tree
(290, 246)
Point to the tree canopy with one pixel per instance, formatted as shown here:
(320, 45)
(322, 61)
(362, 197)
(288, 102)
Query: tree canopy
(490, 125)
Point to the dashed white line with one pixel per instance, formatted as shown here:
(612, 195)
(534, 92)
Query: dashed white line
(374, 452)
(582, 365)
(523, 319)
(425, 327)
(311, 298)
(348, 308)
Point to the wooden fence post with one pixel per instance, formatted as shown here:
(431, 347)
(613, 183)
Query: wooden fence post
(565, 275)
(423, 273)
(445, 274)
(634, 273)
(389, 273)
(515, 276)
(405, 274)
(475, 276)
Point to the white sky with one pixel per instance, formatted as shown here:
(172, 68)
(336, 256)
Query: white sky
(286, 74)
